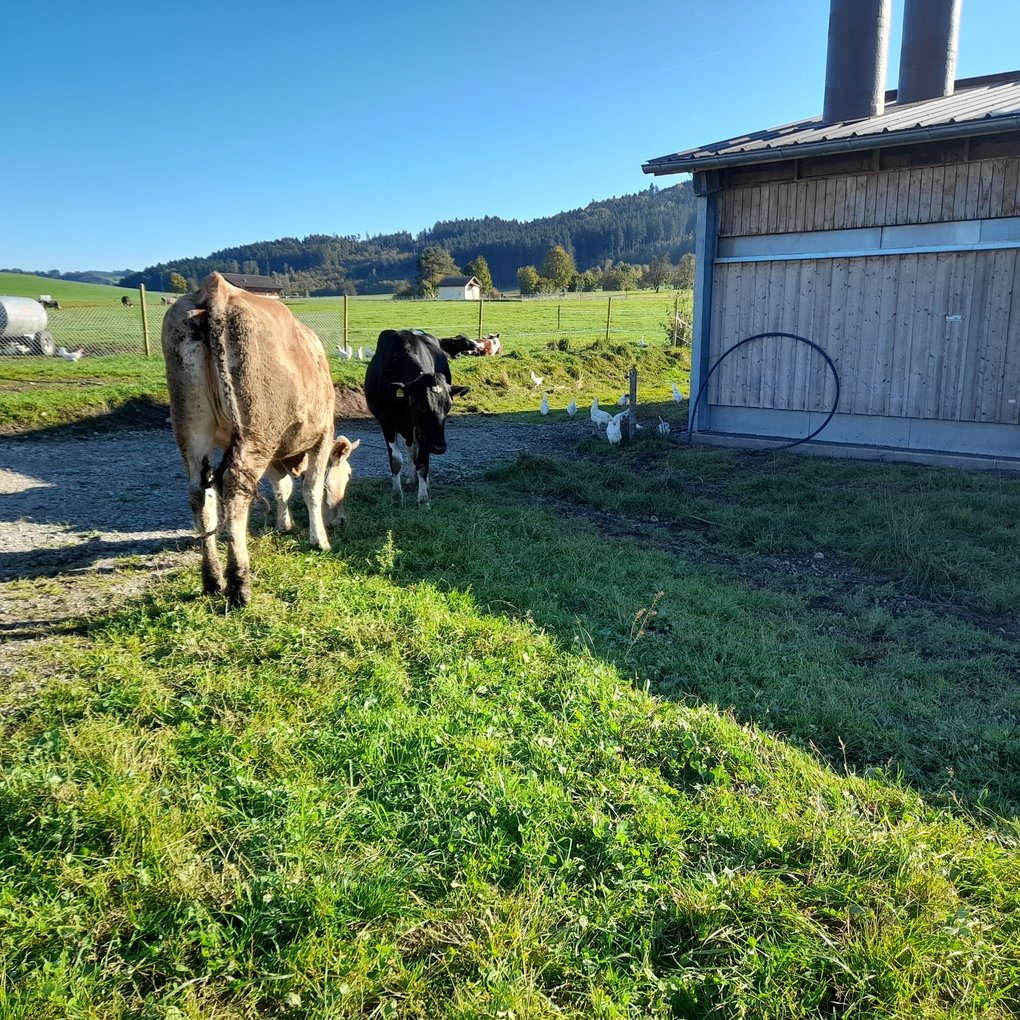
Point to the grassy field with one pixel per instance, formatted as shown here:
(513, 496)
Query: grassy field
(576, 360)
(602, 738)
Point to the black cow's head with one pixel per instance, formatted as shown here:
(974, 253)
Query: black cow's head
(429, 399)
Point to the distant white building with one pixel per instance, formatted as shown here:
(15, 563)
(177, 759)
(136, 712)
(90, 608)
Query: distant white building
(459, 288)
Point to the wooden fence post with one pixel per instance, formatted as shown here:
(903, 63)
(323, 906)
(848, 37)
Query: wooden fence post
(145, 320)
(558, 310)
(632, 407)
(347, 345)
(676, 315)
(609, 315)
(480, 300)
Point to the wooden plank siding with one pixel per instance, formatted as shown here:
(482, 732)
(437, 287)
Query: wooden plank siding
(979, 190)
(887, 323)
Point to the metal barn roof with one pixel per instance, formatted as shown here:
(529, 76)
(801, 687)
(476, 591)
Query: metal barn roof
(986, 105)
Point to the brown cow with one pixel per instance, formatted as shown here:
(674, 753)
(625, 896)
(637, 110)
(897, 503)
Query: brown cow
(244, 375)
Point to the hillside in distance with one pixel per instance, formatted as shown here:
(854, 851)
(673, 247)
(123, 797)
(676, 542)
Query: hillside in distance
(632, 229)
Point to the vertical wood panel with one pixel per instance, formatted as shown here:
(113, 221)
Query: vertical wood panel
(913, 196)
(851, 353)
(1009, 400)
(973, 355)
(787, 322)
(1008, 203)
(956, 335)
(925, 339)
(999, 265)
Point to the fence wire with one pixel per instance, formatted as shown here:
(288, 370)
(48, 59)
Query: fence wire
(119, 328)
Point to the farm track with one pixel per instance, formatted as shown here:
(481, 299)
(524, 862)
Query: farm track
(90, 519)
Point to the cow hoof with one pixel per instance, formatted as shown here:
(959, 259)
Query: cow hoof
(212, 584)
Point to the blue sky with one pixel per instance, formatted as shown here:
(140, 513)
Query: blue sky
(140, 133)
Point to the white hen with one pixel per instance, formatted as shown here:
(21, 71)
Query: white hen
(598, 416)
(67, 355)
(677, 395)
(624, 400)
(345, 353)
(544, 406)
(572, 408)
(663, 428)
(614, 429)
(536, 379)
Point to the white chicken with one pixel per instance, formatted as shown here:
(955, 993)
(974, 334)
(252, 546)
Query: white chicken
(67, 355)
(663, 428)
(361, 354)
(544, 406)
(344, 353)
(572, 408)
(614, 428)
(642, 342)
(677, 395)
(624, 400)
(536, 379)
(598, 416)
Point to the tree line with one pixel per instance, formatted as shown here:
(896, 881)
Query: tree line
(613, 241)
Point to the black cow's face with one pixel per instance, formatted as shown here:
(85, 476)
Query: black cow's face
(429, 400)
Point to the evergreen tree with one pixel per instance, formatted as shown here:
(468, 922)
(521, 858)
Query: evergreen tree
(433, 264)
(479, 268)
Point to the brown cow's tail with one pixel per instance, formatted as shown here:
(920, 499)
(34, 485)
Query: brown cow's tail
(215, 301)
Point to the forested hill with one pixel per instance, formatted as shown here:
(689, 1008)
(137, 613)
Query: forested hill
(632, 229)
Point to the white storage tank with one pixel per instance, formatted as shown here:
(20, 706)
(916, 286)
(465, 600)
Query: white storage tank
(21, 316)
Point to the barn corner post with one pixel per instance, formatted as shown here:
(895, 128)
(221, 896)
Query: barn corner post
(145, 320)
(706, 237)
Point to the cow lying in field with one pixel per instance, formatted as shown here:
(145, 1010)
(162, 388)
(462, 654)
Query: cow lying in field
(455, 346)
(244, 375)
(408, 390)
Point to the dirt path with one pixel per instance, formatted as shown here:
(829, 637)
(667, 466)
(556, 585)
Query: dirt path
(91, 520)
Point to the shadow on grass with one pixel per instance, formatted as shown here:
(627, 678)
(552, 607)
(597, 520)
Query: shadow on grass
(840, 661)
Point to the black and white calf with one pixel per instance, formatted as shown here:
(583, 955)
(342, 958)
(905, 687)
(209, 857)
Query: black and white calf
(409, 391)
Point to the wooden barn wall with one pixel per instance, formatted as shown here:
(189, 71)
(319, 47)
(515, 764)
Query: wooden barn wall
(932, 194)
(883, 320)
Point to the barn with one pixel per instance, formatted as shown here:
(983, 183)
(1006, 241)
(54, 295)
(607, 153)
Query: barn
(264, 285)
(459, 288)
(887, 232)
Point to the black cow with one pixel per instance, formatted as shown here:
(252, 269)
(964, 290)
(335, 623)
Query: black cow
(408, 390)
(454, 346)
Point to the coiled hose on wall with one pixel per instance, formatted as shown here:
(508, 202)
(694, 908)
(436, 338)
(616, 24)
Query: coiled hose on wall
(761, 336)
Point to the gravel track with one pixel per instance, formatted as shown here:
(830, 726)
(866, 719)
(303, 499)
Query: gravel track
(88, 521)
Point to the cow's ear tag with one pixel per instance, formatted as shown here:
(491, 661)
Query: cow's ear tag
(400, 391)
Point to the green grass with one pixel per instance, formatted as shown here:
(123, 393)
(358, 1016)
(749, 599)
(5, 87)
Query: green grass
(69, 293)
(42, 393)
(537, 755)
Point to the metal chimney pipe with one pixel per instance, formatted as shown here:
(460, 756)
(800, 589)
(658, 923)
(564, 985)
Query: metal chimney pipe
(931, 29)
(856, 61)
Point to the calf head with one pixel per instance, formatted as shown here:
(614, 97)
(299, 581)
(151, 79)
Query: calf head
(429, 399)
(338, 475)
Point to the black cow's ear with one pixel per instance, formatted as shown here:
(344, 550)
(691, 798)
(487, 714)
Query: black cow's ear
(459, 391)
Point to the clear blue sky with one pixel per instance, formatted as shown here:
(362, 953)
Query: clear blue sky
(141, 133)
